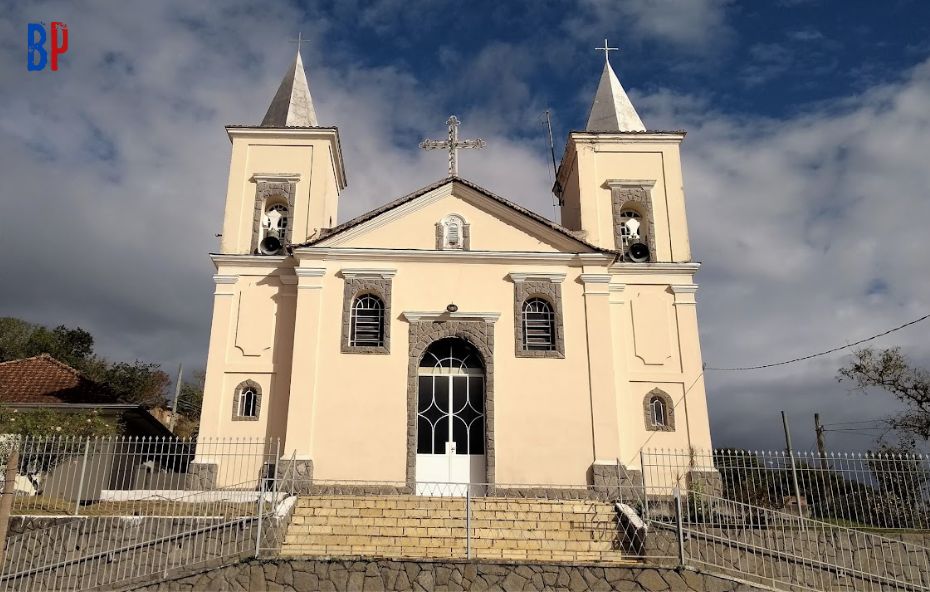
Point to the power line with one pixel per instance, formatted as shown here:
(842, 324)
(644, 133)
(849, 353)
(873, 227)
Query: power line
(823, 353)
(846, 423)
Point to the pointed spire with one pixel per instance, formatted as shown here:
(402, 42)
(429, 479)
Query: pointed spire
(292, 105)
(612, 110)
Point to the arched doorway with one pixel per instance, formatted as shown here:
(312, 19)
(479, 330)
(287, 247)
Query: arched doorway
(450, 418)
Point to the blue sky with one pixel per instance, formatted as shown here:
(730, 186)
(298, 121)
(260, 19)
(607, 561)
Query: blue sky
(805, 163)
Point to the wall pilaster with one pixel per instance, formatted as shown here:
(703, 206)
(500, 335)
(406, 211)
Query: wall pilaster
(298, 445)
(604, 421)
(221, 331)
(696, 420)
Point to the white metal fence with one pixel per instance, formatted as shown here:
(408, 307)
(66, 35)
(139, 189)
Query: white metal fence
(124, 509)
(857, 490)
(785, 551)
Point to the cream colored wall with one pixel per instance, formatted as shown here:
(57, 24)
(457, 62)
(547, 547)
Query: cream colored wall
(493, 227)
(542, 409)
(592, 160)
(251, 339)
(308, 153)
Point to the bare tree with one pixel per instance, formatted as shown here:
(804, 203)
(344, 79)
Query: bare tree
(891, 371)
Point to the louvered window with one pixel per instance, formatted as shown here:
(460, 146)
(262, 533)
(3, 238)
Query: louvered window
(367, 322)
(538, 325)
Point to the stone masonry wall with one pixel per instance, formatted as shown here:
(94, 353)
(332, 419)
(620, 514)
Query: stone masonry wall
(423, 575)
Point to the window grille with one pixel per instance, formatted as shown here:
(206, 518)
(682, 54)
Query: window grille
(248, 402)
(626, 215)
(659, 412)
(275, 220)
(367, 322)
(538, 325)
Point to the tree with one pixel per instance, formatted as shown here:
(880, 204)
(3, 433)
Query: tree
(19, 339)
(891, 371)
(190, 402)
(138, 382)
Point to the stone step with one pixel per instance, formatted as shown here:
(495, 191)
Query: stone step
(412, 526)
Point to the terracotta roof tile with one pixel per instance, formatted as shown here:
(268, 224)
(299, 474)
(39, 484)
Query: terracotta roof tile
(43, 379)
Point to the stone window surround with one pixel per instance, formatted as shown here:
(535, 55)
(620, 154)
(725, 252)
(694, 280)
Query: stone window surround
(357, 283)
(271, 185)
(478, 331)
(669, 411)
(634, 194)
(258, 401)
(547, 286)
(441, 234)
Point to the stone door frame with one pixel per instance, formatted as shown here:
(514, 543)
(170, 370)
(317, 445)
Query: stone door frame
(423, 332)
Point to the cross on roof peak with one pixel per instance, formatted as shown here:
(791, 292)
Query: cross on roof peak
(452, 144)
(606, 49)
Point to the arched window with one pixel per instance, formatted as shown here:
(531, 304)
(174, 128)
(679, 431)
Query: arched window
(274, 221)
(247, 402)
(658, 412)
(630, 223)
(367, 321)
(538, 325)
(452, 233)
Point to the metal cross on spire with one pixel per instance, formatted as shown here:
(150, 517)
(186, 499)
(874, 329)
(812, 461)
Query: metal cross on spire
(606, 49)
(452, 144)
(298, 41)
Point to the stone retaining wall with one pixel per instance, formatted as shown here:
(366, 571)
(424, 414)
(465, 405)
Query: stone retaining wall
(423, 575)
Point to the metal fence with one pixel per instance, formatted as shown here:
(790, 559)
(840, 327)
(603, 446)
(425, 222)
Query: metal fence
(125, 509)
(857, 490)
(785, 551)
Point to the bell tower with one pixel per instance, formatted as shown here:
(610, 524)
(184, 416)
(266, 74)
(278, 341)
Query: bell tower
(621, 185)
(285, 175)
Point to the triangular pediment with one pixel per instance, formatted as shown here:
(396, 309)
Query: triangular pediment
(494, 224)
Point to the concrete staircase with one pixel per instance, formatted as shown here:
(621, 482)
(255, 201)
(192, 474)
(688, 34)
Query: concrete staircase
(404, 526)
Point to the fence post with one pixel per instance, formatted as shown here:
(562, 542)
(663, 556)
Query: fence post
(794, 469)
(261, 501)
(6, 499)
(468, 521)
(80, 489)
(642, 471)
(679, 525)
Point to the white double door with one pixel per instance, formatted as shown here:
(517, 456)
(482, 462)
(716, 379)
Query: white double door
(450, 431)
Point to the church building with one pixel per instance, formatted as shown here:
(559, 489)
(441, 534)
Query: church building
(451, 335)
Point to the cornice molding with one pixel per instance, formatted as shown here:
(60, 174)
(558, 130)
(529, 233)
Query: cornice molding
(276, 177)
(414, 316)
(516, 257)
(624, 268)
(309, 271)
(270, 261)
(219, 278)
(288, 280)
(595, 278)
(683, 288)
(630, 183)
(521, 276)
(368, 272)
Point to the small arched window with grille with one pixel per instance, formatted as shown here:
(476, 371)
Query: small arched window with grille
(367, 321)
(658, 412)
(538, 325)
(274, 222)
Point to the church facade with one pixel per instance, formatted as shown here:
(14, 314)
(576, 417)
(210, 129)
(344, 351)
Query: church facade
(451, 335)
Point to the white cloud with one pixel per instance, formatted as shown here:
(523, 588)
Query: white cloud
(692, 24)
(812, 228)
(813, 233)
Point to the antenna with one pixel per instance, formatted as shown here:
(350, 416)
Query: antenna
(555, 170)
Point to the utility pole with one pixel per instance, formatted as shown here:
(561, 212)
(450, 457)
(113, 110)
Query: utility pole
(794, 469)
(174, 404)
(821, 446)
